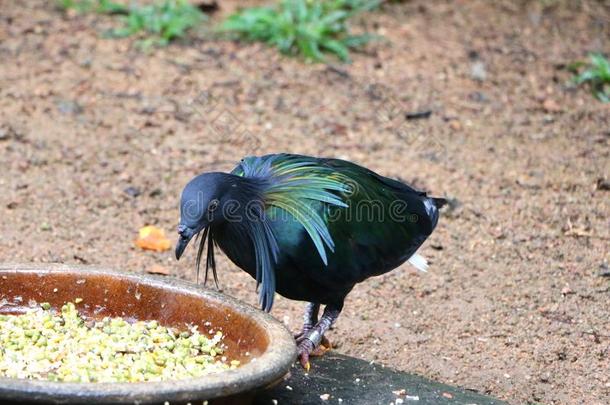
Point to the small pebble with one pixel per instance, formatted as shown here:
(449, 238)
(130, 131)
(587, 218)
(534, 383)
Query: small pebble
(324, 397)
(69, 107)
(132, 191)
(478, 71)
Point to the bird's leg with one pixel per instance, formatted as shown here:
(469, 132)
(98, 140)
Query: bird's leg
(310, 319)
(315, 336)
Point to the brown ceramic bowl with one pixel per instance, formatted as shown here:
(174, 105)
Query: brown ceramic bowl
(265, 348)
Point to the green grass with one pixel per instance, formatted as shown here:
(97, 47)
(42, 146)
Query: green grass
(596, 76)
(98, 6)
(161, 22)
(156, 24)
(309, 28)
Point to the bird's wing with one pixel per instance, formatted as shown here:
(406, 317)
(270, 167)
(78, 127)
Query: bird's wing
(373, 186)
(386, 222)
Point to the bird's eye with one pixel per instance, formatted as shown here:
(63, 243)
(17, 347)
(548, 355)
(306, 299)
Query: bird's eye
(213, 205)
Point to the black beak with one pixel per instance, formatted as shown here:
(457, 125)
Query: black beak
(181, 245)
(186, 235)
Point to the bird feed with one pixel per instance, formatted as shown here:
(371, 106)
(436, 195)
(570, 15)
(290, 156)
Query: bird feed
(44, 344)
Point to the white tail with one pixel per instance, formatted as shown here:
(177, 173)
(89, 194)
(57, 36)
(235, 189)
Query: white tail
(419, 262)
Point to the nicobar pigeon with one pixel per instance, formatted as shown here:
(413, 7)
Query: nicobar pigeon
(307, 228)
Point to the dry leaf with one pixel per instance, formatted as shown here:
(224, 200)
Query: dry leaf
(157, 269)
(153, 238)
(551, 105)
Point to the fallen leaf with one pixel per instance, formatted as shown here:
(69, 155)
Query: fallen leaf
(551, 105)
(455, 125)
(157, 269)
(152, 238)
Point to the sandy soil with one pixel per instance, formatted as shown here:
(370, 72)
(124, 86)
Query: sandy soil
(98, 139)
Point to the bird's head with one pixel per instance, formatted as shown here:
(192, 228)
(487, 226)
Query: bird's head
(203, 203)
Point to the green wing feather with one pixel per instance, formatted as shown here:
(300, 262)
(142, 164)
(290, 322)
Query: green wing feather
(295, 182)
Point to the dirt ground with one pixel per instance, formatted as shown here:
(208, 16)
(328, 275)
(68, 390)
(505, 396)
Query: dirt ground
(97, 139)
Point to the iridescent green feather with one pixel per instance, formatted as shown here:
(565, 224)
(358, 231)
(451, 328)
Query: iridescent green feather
(292, 183)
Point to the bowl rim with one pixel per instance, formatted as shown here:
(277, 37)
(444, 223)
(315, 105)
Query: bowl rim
(269, 367)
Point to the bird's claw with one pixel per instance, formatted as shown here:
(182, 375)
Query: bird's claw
(311, 340)
(307, 349)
